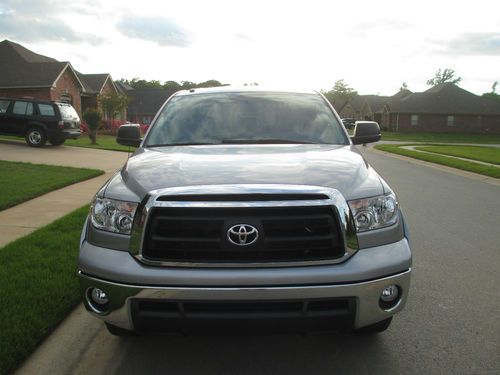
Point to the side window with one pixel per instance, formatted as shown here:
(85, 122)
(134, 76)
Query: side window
(23, 108)
(4, 105)
(46, 110)
(414, 120)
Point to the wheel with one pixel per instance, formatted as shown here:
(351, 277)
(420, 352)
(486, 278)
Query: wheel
(376, 327)
(36, 137)
(57, 142)
(118, 331)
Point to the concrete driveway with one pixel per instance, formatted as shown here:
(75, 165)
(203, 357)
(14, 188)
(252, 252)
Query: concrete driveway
(24, 218)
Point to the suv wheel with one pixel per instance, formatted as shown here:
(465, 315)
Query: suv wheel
(376, 327)
(36, 137)
(57, 142)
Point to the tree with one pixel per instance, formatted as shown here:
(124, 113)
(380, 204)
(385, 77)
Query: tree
(445, 76)
(113, 103)
(92, 117)
(493, 94)
(172, 85)
(403, 87)
(340, 91)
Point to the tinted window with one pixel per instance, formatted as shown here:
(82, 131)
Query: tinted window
(246, 118)
(68, 112)
(46, 110)
(23, 108)
(4, 104)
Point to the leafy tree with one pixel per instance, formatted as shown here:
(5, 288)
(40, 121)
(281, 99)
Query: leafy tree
(403, 87)
(113, 104)
(340, 91)
(493, 94)
(172, 85)
(447, 75)
(92, 117)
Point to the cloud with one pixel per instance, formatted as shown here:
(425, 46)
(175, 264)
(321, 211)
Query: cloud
(242, 37)
(471, 44)
(30, 29)
(162, 31)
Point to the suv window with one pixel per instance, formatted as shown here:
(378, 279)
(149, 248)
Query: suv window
(23, 108)
(67, 112)
(46, 110)
(4, 104)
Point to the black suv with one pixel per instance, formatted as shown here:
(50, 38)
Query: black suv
(39, 121)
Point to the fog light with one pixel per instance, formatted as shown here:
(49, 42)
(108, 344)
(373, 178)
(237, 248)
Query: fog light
(389, 293)
(99, 296)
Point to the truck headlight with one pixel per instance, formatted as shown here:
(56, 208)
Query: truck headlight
(112, 215)
(375, 212)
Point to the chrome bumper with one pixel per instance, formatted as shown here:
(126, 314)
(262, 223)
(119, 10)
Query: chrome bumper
(366, 294)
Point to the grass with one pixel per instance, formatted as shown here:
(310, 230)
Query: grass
(39, 286)
(20, 182)
(104, 142)
(485, 154)
(469, 166)
(441, 137)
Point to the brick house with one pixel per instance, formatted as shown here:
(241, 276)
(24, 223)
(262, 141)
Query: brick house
(144, 103)
(24, 73)
(442, 108)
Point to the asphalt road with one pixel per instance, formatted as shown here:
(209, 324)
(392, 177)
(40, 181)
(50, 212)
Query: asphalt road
(451, 324)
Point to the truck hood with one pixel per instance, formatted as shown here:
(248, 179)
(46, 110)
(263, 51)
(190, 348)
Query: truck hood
(334, 166)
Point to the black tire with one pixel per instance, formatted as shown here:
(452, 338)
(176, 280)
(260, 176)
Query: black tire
(56, 142)
(118, 331)
(376, 327)
(36, 137)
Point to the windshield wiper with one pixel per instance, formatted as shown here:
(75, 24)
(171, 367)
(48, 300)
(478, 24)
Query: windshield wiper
(239, 141)
(181, 144)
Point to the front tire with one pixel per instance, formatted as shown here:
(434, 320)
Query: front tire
(376, 327)
(36, 137)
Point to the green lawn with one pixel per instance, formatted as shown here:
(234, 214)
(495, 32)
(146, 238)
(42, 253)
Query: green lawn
(39, 286)
(470, 166)
(486, 154)
(104, 142)
(441, 137)
(20, 182)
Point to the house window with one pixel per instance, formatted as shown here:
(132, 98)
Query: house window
(450, 121)
(414, 120)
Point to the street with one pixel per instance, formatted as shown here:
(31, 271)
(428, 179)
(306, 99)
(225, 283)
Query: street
(451, 323)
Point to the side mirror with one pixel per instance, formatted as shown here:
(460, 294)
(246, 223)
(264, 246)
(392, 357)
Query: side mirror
(129, 135)
(366, 132)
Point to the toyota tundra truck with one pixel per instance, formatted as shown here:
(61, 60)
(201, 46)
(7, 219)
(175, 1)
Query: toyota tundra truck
(245, 209)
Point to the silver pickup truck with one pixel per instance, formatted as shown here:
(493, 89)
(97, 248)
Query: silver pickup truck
(241, 210)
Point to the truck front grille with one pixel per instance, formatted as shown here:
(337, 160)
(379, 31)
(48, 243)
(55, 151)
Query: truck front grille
(199, 235)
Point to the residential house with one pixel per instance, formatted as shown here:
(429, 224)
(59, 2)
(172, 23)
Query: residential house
(24, 73)
(144, 103)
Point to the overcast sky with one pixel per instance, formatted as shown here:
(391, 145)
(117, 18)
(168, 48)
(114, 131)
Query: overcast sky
(373, 45)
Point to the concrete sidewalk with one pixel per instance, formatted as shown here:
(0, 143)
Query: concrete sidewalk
(26, 217)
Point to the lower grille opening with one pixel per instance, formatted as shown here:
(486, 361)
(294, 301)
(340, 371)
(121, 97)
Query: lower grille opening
(243, 316)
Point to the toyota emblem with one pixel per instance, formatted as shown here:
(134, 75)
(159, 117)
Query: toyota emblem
(242, 234)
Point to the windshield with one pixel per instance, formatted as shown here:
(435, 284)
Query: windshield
(67, 112)
(256, 117)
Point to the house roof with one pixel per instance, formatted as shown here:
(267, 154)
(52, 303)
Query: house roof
(122, 88)
(20, 67)
(445, 98)
(147, 101)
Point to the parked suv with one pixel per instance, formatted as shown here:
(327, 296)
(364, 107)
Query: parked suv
(38, 121)
(241, 210)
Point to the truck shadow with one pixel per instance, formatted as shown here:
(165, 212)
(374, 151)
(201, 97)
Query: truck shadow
(314, 353)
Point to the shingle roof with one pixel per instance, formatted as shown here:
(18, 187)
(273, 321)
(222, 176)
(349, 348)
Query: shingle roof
(122, 88)
(19, 67)
(445, 98)
(147, 101)
(93, 82)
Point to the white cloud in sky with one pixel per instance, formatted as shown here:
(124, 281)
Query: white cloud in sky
(373, 46)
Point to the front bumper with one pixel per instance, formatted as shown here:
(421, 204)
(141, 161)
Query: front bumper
(365, 295)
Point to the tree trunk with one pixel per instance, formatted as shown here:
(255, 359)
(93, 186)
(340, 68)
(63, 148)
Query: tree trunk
(93, 136)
